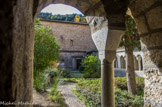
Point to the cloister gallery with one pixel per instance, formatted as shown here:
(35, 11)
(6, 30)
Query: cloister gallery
(106, 19)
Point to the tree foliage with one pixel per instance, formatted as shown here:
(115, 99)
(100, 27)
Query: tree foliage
(58, 17)
(91, 67)
(130, 41)
(130, 32)
(46, 49)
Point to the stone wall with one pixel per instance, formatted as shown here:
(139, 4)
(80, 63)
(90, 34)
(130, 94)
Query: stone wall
(148, 17)
(74, 40)
(16, 51)
(67, 32)
(69, 59)
(6, 51)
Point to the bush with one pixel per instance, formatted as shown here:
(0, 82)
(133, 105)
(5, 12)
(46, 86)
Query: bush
(75, 80)
(124, 99)
(89, 91)
(65, 73)
(55, 95)
(46, 49)
(121, 83)
(40, 81)
(91, 67)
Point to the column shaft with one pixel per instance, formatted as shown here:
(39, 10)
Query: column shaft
(107, 75)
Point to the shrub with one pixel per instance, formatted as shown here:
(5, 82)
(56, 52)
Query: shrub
(89, 91)
(91, 67)
(46, 49)
(121, 83)
(55, 95)
(40, 81)
(75, 80)
(65, 73)
(124, 99)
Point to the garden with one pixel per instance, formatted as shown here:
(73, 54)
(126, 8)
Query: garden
(89, 92)
(48, 77)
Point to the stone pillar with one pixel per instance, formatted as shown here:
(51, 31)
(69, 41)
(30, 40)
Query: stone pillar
(23, 46)
(107, 77)
(16, 55)
(139, 63)
(106, 42)
(119, 62)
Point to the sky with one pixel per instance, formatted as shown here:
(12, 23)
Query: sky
(60, 9)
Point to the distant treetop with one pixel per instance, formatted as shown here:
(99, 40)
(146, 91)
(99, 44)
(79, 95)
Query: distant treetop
(68, 17)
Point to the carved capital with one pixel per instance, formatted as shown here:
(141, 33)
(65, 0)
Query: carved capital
(107, 55)
(96, 23)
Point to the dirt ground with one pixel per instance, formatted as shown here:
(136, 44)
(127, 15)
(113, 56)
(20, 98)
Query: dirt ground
(41, 100)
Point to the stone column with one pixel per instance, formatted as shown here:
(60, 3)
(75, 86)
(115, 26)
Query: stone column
(106, 42)
(139, 64)
(16, 55)
(107, 77)
(119, 62)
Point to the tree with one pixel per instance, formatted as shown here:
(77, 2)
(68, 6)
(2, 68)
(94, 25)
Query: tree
(130, 41)
(46, 49)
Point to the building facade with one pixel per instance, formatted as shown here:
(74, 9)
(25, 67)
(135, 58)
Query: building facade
(120, 61)
(75, 42)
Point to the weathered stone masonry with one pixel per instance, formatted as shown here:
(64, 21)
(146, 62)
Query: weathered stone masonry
(148, 17)
(74, 39)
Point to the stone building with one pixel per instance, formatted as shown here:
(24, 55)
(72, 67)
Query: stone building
(74, 39)
(120, 61)
(107, 22)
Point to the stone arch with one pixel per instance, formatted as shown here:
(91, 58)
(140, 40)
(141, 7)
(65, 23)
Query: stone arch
(87, 7)
(122, 62)
(140, 62)
(148, 18)
(17, 37)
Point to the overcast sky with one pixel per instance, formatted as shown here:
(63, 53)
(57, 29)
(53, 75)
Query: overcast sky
(60, 9)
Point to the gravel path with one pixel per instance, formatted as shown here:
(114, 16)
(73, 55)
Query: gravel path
(70, 98)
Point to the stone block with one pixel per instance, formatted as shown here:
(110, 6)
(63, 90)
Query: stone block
(153, 40)
(154, 18)
(72, 2)
(93, 2)
(153, 87)
(141, 25)
(138, 6)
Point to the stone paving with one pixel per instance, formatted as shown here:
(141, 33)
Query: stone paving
(70, 98)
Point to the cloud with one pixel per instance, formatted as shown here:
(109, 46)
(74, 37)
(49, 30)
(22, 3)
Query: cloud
(60, 9)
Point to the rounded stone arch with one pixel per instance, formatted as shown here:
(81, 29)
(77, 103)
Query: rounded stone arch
(148, 18)
(140, 62)
(87, 7)
(122, 62)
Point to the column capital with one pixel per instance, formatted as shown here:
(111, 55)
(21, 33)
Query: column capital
(108, 55)
(96, 23)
